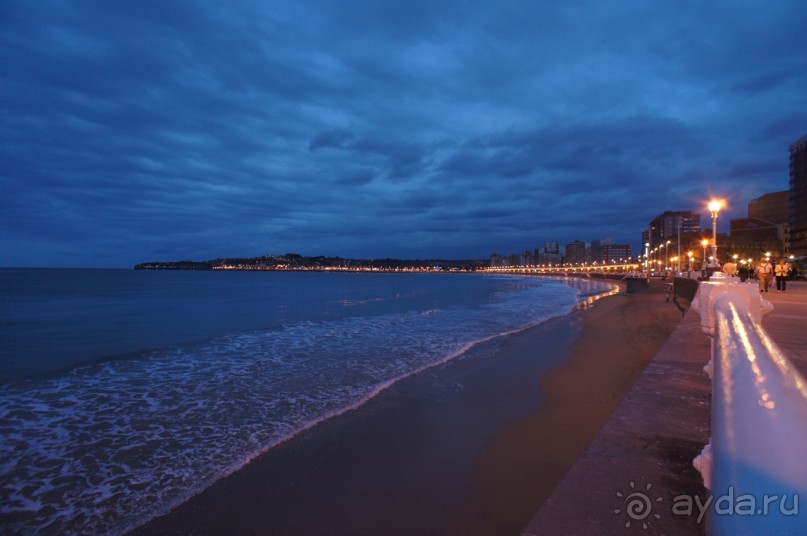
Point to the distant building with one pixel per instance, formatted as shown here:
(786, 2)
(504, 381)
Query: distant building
(615, 253)
(594, 253)
(497, 261)
(550, 254)
(745, 247)
(668, 225)
(773, 207)
(755, 228)
(764, 230)
(677, 227)
(798, 197)
(575, 253)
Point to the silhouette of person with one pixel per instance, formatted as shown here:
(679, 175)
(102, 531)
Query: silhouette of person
(743, 272)
(764, 273)
(782, 270)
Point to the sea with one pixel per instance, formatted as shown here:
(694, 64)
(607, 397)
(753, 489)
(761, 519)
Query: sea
(123, 392)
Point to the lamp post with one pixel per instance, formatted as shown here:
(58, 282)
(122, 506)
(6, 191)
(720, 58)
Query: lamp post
(714, 208)
(704, 243)
(646, 252)
(689, 266)
(667, 255)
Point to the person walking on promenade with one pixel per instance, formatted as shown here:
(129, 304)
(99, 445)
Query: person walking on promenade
(744, 271)
(764, 272)
(730, 268)
(782, 271)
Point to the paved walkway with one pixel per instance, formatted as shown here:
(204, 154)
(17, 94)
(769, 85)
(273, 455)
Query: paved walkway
(787, 324)
(647, 446)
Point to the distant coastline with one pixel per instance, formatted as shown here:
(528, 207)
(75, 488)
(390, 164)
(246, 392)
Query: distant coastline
(297, 262)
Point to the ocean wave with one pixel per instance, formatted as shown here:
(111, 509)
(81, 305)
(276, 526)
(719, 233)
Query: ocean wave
(105, 447)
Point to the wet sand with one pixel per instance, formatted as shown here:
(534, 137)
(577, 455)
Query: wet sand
(471, 447)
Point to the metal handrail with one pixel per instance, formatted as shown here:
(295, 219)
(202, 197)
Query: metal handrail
(756, 462)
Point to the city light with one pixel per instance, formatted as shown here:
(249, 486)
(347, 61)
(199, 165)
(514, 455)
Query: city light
(704, 243)
(714, 208)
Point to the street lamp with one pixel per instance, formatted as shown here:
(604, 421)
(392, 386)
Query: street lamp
(689, 266)
(714, 208)
(704, 243)
(646, 252)
(667, 255)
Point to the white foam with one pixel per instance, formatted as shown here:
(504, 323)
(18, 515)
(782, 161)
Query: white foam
(106, 447)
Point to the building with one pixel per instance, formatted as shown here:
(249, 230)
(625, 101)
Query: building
(756, 228)
(773, 207)
(747, 248)
(798, 197)
(575, 253)
(497, 261)
(615, 253)
(594, 253)
(677, 227)
(668, 225)
(550, 254)
(671, 224)
(765, 230)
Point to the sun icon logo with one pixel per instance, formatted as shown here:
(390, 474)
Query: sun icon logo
(638, 505)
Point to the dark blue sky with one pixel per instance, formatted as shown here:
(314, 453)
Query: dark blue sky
(157, 130)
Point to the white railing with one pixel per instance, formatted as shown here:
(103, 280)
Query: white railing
(756, 462)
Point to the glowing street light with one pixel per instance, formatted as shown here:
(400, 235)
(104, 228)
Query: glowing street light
(667, 255)
(704, 243)
(714, 208)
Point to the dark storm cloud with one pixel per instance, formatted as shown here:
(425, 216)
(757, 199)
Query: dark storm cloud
(148, 130)
(332, 138)
(766, 81)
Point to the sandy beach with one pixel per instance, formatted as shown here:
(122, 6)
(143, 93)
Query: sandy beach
(471, 447)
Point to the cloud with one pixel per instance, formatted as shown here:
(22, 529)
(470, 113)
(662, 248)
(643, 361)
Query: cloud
(331, 138)
(370, 128)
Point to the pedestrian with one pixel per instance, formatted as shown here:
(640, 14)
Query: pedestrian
(764, 273)
(730, 268)
(782, 271)
(743, 271)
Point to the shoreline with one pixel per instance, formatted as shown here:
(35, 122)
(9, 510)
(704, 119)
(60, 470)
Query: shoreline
(585, 300)
(472, 445)
(619, 338)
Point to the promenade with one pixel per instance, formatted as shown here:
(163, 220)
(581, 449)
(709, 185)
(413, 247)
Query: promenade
(646, 448)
